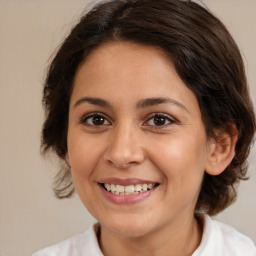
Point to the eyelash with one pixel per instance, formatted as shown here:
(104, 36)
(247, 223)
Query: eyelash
(164, 117)
(84, 119)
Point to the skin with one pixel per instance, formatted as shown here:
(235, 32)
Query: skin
(130, 143)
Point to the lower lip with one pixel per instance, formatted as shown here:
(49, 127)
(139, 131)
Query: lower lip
(126, 199)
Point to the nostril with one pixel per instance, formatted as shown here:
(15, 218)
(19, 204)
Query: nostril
(109, 162)
(124, 156)
(133, 163)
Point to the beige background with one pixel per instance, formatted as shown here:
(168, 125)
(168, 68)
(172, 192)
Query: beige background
(30, 216)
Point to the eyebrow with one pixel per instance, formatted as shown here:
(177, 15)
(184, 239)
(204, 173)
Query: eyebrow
(149, 102)
(94, 101)
(157, 101)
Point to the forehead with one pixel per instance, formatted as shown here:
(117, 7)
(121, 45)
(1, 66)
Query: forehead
(129, 70)
(123, 57)
(126, 48)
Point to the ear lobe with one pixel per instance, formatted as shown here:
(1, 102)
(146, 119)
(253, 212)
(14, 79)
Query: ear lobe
(222, 149)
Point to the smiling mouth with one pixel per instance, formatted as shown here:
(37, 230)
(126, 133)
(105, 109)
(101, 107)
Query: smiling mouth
(128, 190)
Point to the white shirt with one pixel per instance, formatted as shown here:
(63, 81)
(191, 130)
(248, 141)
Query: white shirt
(218, 240)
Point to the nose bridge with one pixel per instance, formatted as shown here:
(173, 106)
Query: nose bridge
(125, 145)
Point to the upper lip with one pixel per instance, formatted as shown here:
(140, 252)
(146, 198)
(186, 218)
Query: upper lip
(126, 182)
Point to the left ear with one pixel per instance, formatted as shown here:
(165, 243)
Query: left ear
(221, 149)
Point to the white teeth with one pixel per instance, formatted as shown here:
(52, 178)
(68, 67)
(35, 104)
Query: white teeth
(145, 187)
(138, 187)
(120, 188)
(150, 186)
(113, 187)
(108, 187)
(128, 190)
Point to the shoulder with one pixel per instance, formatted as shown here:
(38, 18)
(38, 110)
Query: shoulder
(234, 241)
(221, 239)
(75, 246)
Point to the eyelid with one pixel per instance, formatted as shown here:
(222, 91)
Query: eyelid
(148, 118)
(160, 114)
(92, 114)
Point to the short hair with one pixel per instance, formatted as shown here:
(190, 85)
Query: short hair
(205, 57)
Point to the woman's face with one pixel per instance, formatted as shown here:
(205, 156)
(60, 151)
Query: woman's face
(136, 141)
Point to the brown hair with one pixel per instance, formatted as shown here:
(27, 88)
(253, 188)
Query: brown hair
(205, 56)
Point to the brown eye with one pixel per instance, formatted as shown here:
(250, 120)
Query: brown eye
(95, 119)
(160, 120)
(98, 120)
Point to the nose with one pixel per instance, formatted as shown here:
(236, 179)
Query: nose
(125, 147)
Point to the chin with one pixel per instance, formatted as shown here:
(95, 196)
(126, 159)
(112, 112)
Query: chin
(129, 232)
(125, 228)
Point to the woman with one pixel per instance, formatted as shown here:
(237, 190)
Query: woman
(147, 103)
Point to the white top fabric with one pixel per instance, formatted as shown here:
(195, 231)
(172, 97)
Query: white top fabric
(218, 240)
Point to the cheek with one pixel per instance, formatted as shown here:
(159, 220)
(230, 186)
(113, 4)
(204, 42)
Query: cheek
(84, 158)
(83, 155)
(181, 158)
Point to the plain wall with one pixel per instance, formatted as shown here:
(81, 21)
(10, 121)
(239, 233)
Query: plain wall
(30, 30)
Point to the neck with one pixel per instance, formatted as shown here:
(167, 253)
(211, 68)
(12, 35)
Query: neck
(180, 239)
